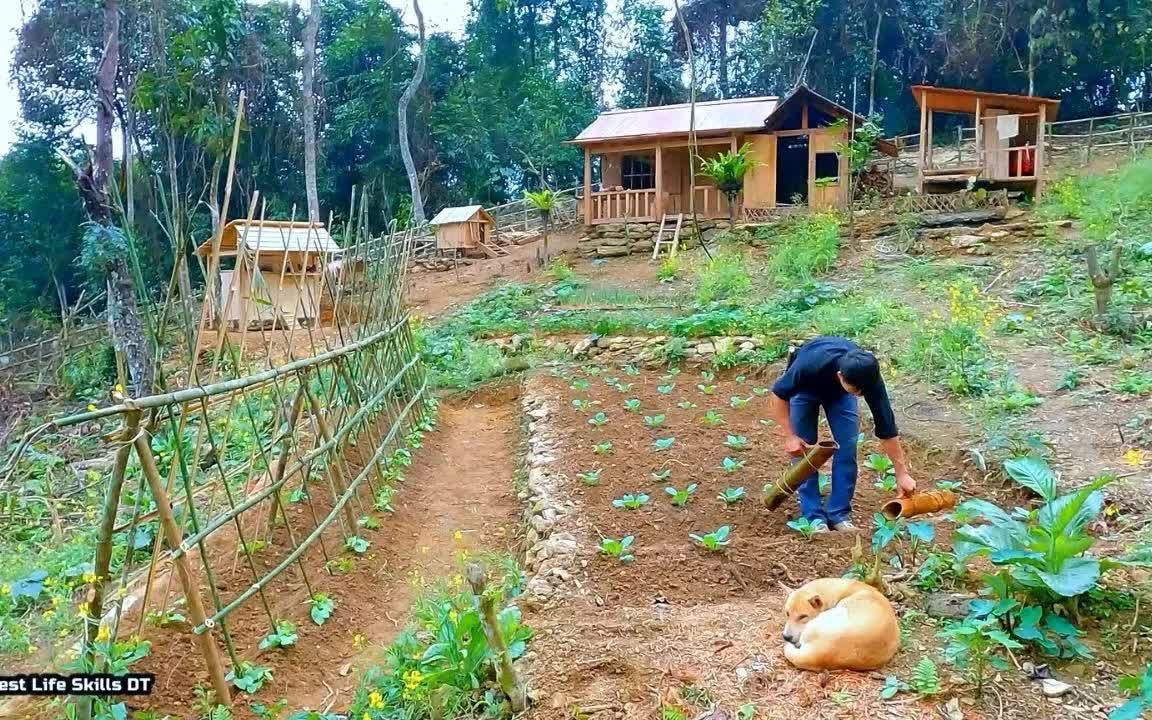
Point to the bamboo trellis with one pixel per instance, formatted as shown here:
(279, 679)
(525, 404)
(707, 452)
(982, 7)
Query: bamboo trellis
(253, 453)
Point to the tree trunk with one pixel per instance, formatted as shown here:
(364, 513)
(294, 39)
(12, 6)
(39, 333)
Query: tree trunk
(722, 45)
(405, 149)
(124, 323)
(545, 218)
(311, 28)
(875, 59)
(1103, 278)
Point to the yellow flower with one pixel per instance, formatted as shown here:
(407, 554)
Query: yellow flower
(453, 616)
(1135, 457)
(358, 641)
(365, 716)
(375, 700)
(458, 536)
(89, 577)
(82, 609)
(48, 614)
(5, 589)
(457, 581)
(103, 633)
(91, 407)
(412, 679)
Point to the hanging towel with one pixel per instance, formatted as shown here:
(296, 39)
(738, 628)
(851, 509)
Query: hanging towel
(1007, 126)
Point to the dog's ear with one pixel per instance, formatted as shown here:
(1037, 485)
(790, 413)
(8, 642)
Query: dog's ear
(816, 602)
(787, 590)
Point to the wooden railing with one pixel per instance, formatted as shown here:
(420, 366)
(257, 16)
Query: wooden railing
(618, 205)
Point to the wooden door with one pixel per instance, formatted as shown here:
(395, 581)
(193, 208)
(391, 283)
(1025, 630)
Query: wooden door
(760, 182)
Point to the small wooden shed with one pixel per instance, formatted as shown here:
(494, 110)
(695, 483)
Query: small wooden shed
(270, 272)
(463, 228)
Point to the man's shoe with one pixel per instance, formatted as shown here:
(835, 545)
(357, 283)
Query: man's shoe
(844, 526)
(819, 526)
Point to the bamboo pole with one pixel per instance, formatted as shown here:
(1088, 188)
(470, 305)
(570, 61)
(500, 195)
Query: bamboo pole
(335, 470)
(795, 476)
(204, 639)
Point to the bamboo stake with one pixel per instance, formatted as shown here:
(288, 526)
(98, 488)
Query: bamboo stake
(203, 640)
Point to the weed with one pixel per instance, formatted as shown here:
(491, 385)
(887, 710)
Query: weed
(1071, 379)
(661, 444)
(249, 677)
(713, 541)
(972, 646)
(736, 442)
(680, 497)
(166, 617)
(722, 279)
(631, 501)
(320, 607)
(925, 678)
(808, 246)
(1134, 382)
(732, 495)
(270, 712)
(590, 477)
(654, 421)
(1139, 690)
(726, 358)
(952, 349)
(283, 636)
(619, 549)
(669, 270)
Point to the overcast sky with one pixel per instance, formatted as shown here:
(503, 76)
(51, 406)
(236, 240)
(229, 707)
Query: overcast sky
(439, 15)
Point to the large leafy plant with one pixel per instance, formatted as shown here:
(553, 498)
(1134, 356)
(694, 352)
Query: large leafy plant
(1043, 553)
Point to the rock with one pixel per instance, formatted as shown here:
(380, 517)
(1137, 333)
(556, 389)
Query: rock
(966, 217)
(1013, 213)
(966, 241)
(642, 246)
(705, 348)
(724, 345)
(542, 526)
(997, 234)
(614, 241)
(951, 710)
(582, 346)
(948, 605)
(1053, 688)
(611, 250)
(712, 235)
(747, 346)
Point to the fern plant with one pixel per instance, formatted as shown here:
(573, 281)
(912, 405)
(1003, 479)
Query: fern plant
(544, 201)
(925, 678)
(727, 170)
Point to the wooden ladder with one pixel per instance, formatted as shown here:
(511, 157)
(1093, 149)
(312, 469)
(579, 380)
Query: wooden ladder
(672, 224)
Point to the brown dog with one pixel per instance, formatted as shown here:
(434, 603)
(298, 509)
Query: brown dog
(836, 624)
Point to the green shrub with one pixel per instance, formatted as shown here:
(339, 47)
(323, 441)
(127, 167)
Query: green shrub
(723, 278)
(89, 373)
(808, 246)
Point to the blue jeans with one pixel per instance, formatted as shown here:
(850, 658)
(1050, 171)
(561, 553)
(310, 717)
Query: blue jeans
(843, 420)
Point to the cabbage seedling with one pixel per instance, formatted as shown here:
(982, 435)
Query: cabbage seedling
(249, 677)
(581, 404)
(951, 485)
(680, 497)
(283, 636)
(760, 392)
(630, 501)
(653, 421)
(731, 465)
(736, 442)
(663, 443)
(712, 418)
(706, 389)
(602, 448)
(738, 402)
(620, 549)
(368, 522)
(732, 495)
(686, 404)
(599, 419)
(666, 388)
(631, 370)
(708, 375)
(320, 608)
(610, 381)
(715, 540)
(804, 526)
(662, 475)
(631, 404)
(580, 385)
(591, 477)
(357, 544)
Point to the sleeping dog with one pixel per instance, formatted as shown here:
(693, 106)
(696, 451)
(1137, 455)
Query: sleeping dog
(836, 624)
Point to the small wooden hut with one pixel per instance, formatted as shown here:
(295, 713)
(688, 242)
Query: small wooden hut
(463, 228)
(271, 272)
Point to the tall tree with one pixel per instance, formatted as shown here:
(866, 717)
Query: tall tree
(646, 70)
(418, 217)
(311, 28)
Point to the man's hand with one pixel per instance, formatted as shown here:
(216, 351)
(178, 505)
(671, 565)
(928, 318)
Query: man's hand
(905, 485)
(794, 446)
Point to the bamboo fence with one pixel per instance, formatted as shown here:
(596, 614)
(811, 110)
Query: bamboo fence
(262, 421)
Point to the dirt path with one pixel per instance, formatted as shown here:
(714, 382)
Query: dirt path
(458, 496)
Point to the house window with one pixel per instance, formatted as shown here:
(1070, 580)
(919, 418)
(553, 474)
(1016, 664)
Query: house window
(827, 168)
(637, 173)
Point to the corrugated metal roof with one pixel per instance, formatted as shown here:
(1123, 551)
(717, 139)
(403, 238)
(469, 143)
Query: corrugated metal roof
(458, 214)
(273, 236)
(713, 116)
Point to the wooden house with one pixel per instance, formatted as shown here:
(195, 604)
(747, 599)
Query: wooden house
(463, 228)
(270, 272)
(1009, 148)
(641, 156)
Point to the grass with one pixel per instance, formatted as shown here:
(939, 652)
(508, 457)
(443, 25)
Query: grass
(808, 247)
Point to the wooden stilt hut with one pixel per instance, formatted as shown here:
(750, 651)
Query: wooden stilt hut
(276, 273)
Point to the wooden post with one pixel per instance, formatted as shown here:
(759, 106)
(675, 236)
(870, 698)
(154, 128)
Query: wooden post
(1038, 165)
(1091, 132)
(960, 144)
(980, 159)
(188, 582)
(587, 186)
(334, 462)
(1132, 134)
(923, 132)
(931, 131)
(659, 172)
(285, 449)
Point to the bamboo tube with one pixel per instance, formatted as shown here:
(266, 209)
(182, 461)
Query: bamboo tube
(795, 476)
(919, 504)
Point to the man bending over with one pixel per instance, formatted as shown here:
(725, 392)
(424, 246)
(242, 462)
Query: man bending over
(832, 372)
